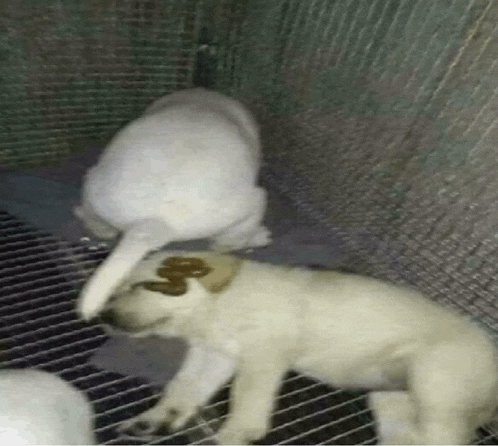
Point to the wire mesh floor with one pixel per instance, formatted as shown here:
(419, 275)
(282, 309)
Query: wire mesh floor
(40, 278)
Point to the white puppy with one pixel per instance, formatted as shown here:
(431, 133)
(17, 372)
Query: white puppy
(37, 407)
(256, 321)
(187, 169)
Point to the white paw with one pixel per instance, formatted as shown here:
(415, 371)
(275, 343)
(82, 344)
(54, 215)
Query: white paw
(166, 416)
(96, 226)
(394, 415)
(101, 231)
(261, 238)
(242, 431)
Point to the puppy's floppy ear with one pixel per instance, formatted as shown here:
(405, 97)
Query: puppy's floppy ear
(223, 270)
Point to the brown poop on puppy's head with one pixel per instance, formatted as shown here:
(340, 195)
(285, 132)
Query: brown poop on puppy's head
(176, 270)
(215, 273)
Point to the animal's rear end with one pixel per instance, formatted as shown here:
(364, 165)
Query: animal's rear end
(185, 170)
(454, 389)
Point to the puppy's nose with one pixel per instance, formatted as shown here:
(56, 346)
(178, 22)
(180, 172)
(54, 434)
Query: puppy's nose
(114, 322)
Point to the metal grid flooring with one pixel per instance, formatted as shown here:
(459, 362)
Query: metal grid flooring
(40, 278)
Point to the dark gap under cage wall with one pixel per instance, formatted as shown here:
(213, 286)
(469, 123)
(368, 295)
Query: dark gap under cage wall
(379, 133)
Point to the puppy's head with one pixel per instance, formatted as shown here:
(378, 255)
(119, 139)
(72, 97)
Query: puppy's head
(165, 289)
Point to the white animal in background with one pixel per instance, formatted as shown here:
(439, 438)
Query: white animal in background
(256, 321)
(38, 408)
(187, 169)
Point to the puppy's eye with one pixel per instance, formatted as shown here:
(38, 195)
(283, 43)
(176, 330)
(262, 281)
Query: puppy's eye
(175, 288)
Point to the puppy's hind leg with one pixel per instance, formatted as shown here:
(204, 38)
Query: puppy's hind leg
(400, 421)
(444, 427)
(453, 386)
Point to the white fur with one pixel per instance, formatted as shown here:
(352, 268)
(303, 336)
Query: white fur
(396, 423)
(203, 372)
(348, 330)
(39, 408)
(187, 169)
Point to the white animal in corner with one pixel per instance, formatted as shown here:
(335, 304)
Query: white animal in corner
(433, 373)
(37, 408)
(187, 169)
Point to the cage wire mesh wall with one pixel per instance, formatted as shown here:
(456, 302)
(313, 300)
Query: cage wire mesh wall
(379, 123)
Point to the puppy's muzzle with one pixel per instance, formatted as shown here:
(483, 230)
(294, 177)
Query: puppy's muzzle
(109, 317)
(115, 321)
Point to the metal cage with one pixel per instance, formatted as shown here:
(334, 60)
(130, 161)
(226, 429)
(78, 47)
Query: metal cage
(379, 126)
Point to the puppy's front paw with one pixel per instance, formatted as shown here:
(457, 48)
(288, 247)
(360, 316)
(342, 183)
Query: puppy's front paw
(166, 416)
(242, 432)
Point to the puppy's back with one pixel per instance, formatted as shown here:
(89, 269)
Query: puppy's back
(357, 312)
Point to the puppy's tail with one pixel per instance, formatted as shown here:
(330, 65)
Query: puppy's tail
(135, 243)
